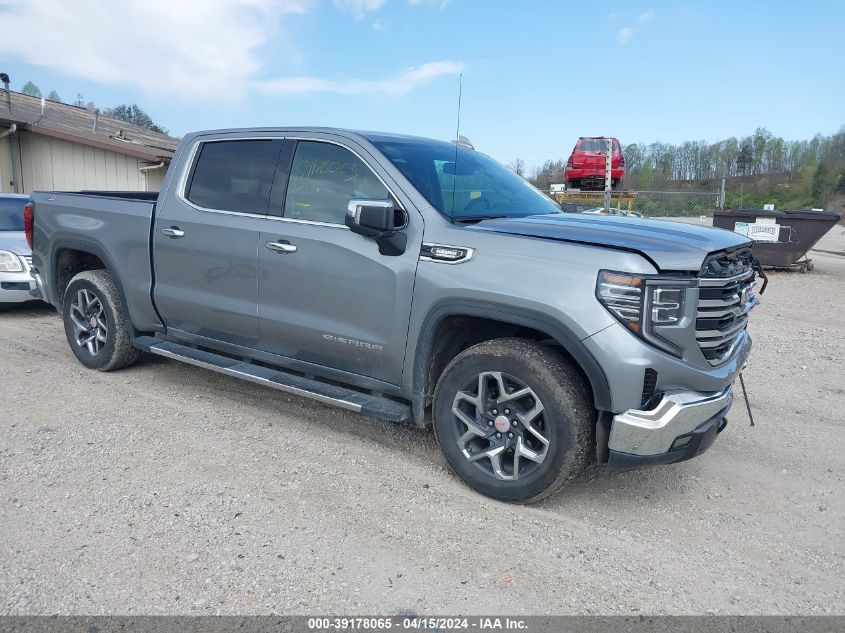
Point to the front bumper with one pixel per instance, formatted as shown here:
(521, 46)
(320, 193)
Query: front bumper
(624, 359)
(681, 426)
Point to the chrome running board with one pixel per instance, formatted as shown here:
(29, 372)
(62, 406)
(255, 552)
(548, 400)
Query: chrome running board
(342, 397)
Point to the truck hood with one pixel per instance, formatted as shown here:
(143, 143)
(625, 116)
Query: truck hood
(670, 246)
(14, 241)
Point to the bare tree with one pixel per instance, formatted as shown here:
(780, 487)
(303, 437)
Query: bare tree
(517, 165)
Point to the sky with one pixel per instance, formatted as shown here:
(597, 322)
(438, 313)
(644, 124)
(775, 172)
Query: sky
(536, 75)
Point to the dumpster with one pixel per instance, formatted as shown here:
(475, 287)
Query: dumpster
(781, 238)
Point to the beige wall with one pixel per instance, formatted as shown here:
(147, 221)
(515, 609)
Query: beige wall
(55, 164)
(5, 165)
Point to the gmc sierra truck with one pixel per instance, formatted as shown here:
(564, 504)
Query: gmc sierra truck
(415, 281)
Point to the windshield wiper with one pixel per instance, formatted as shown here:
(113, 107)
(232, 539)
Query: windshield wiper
(478, 218)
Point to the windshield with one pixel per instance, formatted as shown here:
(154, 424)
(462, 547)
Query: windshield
(473, 186)
(11, 214)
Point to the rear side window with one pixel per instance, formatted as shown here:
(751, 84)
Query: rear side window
(234, 175)
(11, 214)
(324, 178)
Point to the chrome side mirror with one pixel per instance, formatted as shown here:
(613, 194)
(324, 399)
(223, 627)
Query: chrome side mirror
(376, 219)
(370, 218)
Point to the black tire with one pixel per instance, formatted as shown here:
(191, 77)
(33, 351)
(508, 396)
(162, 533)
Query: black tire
(616, 185)
(116, 351)
(567, 418)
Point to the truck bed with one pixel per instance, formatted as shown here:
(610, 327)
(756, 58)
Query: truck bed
(115, 226)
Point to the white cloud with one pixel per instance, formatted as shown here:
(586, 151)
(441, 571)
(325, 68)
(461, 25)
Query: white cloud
(403, 83)
(198, 51)
(358, 8)
(613, 16)
(193, 50)
(379, 25)
(626, 33)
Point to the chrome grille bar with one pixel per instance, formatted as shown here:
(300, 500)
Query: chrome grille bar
(723, 306)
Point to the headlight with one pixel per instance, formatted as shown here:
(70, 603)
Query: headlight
(623, 295)
(651, 306)
(10, 263)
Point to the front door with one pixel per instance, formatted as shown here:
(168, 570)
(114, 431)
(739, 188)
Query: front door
(205, 241)
(326, 295)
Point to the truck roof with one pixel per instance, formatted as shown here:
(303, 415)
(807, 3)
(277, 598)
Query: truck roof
(373, 137)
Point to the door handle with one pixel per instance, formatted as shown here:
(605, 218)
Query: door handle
(280, 247)
(173, 232)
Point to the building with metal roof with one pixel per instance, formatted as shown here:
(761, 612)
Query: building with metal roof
(55, 146)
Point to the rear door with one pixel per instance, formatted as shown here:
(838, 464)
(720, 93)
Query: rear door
(326, 295)
(205, 240)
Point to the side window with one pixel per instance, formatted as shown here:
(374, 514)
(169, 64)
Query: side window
(324, 178)
(234, 175)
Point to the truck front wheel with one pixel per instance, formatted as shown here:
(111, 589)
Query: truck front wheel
(513, 419)
(96, 324)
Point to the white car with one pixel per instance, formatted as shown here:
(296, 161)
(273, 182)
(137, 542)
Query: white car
(16, 284)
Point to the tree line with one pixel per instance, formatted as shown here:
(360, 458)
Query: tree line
(802, 172)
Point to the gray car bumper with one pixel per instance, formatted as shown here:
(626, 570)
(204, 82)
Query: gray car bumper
(17, 287)
(681, 426)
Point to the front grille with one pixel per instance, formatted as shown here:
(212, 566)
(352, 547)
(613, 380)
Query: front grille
(28, 259)
(726, 295)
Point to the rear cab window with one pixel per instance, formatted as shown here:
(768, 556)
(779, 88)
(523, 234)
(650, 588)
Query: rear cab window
(234, 175)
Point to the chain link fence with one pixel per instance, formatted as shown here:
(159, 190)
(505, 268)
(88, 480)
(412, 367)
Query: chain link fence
(651, 204)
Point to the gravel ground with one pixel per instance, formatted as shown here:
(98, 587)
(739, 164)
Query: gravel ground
(168, 489)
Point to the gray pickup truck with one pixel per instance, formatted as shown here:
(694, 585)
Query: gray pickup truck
(414, 281)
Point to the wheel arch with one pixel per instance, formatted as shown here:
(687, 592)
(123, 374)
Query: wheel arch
(488, 321)
(60, 279)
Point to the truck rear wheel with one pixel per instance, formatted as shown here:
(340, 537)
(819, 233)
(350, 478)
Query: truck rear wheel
(96, 324)
(513, 419)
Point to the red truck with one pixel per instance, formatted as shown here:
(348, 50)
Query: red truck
(585, 168)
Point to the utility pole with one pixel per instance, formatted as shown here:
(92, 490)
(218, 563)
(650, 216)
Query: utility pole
(722, 196)
(608, 160)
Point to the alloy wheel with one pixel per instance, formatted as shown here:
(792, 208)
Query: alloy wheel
(89, 321)
(500, 426)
